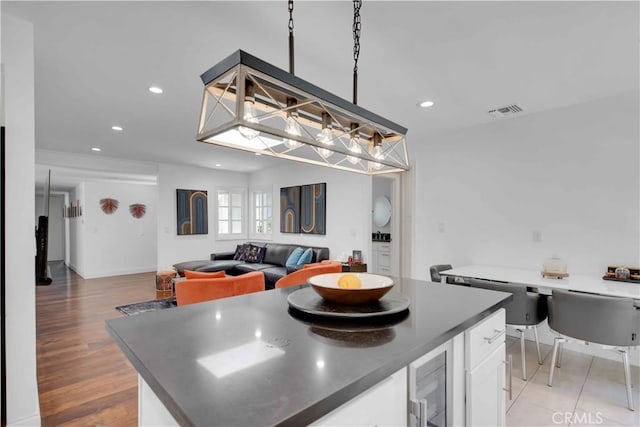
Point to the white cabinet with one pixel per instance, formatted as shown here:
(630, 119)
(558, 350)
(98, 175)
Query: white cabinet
(485, 372)
(384, 404)
(382, 258)
(151, 411)
(485, 394)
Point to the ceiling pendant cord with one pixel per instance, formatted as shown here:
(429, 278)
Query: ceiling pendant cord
(291, 58)
(357, 26)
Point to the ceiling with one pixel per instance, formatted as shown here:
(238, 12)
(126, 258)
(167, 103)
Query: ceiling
(94, 62)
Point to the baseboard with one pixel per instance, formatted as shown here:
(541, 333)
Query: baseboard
(32, 421)
(119, 273)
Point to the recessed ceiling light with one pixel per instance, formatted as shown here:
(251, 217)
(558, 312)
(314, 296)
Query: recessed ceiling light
(425, 104)
(116, 128)
(156, 90)
(96, 149)
(258, 154)
(218, 165)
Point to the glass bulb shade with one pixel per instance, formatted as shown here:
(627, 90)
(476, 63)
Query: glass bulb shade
(249, 116)
(377, 153)
(292, 128)
(354, 147)
(325, 137)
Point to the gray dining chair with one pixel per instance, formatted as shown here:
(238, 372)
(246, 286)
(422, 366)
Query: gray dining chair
(613, 322)
(435, 270)
(525, 311)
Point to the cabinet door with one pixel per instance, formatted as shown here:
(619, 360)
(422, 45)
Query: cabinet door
(384, 404)
(485, 391)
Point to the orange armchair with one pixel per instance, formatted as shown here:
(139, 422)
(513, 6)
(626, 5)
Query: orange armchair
(192, 291)
(188, 274)
(300, 277)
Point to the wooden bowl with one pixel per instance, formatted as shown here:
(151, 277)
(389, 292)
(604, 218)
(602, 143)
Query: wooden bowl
(373, 288)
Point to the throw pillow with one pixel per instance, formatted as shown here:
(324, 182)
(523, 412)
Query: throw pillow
(306, 257)
(239, 255)
(294, 256)
(254, 254)
(203, 274)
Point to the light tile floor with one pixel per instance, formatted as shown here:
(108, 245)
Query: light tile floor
(586, 390)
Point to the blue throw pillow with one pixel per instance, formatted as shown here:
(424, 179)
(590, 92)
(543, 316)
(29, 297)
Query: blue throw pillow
(306, 257)
(294, 256)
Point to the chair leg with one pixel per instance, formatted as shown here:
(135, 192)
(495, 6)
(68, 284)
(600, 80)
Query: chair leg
(556, 343)
(535, 334)
(627, 377)
(560, 352)
(524, 362)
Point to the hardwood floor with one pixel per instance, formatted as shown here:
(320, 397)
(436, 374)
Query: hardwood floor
(83, 377)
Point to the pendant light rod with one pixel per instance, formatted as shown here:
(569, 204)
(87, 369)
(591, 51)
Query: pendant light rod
(291, 58)
(356, 27)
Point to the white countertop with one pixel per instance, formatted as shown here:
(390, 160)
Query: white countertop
(534, 278)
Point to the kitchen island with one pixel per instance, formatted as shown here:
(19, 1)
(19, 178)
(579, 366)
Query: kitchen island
(248, 361)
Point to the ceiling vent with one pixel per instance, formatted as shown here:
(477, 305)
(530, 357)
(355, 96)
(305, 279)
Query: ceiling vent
(507, 111)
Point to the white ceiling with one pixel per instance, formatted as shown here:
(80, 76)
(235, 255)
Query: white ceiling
(95, 60)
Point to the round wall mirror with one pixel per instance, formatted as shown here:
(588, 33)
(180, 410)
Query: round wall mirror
(381, 211)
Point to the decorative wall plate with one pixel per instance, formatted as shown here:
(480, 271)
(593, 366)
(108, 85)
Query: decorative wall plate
(109, 205)
(137, 210)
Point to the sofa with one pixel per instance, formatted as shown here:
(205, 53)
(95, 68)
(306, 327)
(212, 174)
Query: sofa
(273, 264)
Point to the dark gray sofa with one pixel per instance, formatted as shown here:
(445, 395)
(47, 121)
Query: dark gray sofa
(273, 264)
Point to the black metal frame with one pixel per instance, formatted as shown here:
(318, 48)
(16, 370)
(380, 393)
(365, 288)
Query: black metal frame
(241, 57)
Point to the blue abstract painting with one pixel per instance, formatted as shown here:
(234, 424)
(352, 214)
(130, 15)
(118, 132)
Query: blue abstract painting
(192, 212)
(290, 210)
(313, 208)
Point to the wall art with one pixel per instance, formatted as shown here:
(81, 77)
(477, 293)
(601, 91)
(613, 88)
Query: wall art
(192, 212)
(137, 210)
(313, 208)
(290, 209)
(72, 210)
(109, 205)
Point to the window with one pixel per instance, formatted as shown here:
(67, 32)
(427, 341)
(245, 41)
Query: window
(231, 213)
(261, 200)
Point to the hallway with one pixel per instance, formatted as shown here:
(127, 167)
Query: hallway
(83, 377)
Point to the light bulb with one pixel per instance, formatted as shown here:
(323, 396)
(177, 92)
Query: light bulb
(292, 128)
(249, 116)
(377, 152)
(325, 137)
(354, 147)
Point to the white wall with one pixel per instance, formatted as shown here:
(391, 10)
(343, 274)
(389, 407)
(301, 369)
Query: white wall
(76, 233)
(22, 387)
(570, 174)
(173, 248)
(348, 206)
(56, 238)
(115, 244)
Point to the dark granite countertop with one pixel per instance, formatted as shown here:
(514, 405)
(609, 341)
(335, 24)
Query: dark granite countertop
(308, 369)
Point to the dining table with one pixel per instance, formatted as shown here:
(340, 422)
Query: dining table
(534, 279)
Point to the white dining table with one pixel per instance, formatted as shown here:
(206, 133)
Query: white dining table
(534, 279)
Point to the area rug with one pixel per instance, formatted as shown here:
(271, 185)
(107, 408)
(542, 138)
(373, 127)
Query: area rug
(143, 307)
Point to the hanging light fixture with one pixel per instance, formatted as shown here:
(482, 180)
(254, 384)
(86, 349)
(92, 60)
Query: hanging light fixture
(251, 105)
